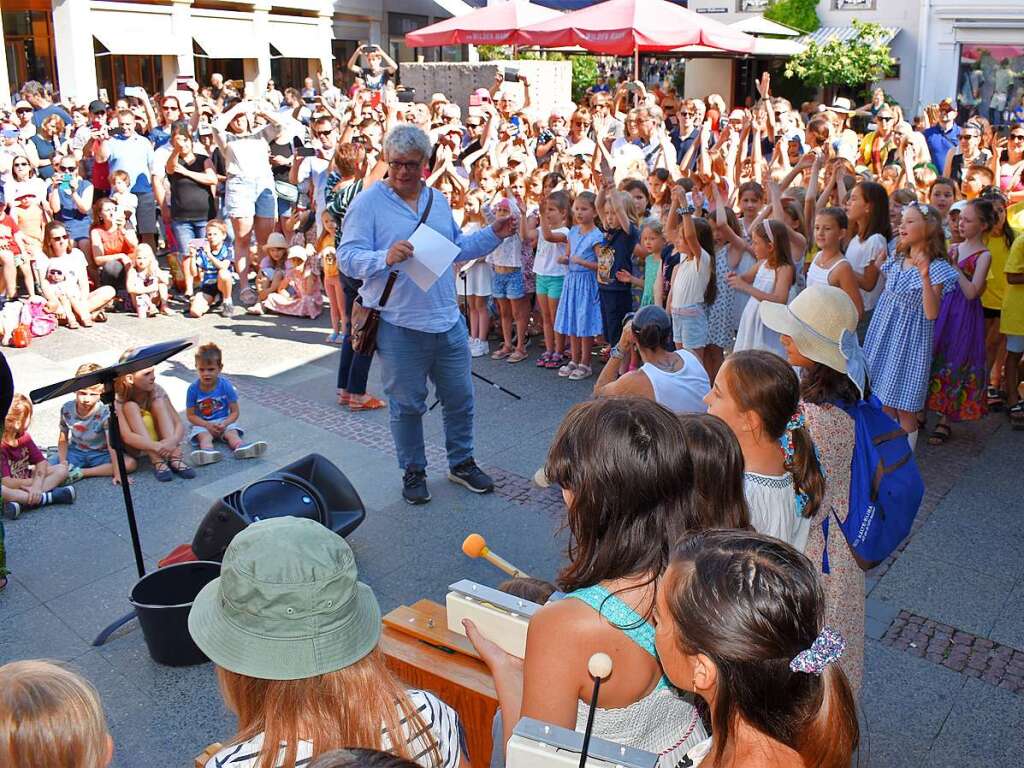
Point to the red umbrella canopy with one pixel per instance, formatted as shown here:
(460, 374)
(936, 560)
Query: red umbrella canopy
(621, 27)
(491, 25)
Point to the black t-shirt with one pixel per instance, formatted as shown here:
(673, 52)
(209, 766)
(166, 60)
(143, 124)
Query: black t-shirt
(190, 200)
(623, 243)
(281, 150)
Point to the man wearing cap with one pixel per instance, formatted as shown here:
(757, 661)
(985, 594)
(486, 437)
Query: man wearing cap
(421, 334)
(23, 112)
(943, 137)
(671, 377)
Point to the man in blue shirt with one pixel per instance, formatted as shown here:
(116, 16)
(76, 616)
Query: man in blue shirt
(35, 94)
(421, 333)
(127, 151)
(943, 137)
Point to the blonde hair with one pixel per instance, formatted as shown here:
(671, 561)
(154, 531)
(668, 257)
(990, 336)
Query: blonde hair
(50, 716)
(85, 368)
(344, 708)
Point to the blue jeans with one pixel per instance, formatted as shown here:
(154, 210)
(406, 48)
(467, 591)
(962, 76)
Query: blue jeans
(187, 230)
(407, 359)
(353, 368)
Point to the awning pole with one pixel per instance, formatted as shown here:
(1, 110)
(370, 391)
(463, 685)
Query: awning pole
(636, 62)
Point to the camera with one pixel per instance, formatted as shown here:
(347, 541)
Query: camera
(511, 75)
(406, 95)
(366, 50)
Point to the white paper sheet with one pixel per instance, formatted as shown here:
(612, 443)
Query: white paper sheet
(432, 255)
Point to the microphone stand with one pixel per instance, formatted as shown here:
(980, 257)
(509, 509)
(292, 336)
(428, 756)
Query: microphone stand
(465, 308)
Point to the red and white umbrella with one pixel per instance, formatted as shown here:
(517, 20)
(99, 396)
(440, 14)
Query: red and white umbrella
(627, 27)
(491, 25)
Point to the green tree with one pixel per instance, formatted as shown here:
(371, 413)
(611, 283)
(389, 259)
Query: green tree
(863, 59)
(799, 14)
(584, 75)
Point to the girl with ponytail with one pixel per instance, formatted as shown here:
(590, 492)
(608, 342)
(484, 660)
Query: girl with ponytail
(758, 395)
(741, 622)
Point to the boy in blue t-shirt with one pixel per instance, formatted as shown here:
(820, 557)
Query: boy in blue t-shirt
(212, 410)
(213, 265)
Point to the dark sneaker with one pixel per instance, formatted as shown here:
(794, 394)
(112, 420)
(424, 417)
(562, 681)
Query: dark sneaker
(414, 486)
(12, 510)
(470, 475)
(63, 495)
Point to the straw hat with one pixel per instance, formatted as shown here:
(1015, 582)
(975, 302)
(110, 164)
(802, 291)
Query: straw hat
(822, 321)
(287, 605)
(276, 240)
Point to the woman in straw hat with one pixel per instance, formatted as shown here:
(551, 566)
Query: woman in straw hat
(819, 333)
(295, 638)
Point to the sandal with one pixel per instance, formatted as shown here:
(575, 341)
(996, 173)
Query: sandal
(181, 469)
(99, 317)
(501, 353)
(1017, 416)
(940, 434)
(517, 357)
(555, 361)
(74, 475)
(344, 399)
(162, 472)
(369, 404)
(543, 360)
(996, 399)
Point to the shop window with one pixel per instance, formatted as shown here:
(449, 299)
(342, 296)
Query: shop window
(853, 5)
(28, 47)
(752, 6)
(988, 83)
(399, 25)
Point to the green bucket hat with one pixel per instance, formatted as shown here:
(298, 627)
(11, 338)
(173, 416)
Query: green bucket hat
(287, 604)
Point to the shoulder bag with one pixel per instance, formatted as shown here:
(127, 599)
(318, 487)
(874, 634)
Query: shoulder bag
(366, 320)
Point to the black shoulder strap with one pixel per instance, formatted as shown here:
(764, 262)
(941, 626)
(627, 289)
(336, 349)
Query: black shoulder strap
(426, 211)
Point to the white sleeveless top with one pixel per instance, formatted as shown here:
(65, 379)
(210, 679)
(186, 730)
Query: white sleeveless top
(819, 275)
(682, 391)
(772, 503)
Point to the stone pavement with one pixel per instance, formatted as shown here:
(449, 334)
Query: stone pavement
(945, 652)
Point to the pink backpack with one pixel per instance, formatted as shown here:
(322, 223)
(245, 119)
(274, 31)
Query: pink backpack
(35, 316)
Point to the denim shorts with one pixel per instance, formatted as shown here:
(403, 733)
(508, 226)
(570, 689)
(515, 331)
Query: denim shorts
(508, 285)
(1014, 344)
(184, 231)
(690, 326)
(84, 458)
(196, 431)
(550, 286)
(245, 198)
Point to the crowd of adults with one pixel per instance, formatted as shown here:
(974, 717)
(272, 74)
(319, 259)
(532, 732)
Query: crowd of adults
(746, 274)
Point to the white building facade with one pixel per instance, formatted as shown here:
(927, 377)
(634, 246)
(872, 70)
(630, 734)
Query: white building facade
(85, 47)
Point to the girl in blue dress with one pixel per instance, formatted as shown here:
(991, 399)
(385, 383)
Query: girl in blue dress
(898, 345)
(579, 311)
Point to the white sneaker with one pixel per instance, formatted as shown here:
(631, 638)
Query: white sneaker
(250, 450)
(475, 349)
(201, 457)
(540, 479)
(227, 309)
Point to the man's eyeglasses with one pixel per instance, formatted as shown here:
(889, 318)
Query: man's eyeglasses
(326, 132)
(411, 165)
(23, 110)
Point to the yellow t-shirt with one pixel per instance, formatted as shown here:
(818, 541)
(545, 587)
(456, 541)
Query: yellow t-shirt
(1012, 321)
(995, 283)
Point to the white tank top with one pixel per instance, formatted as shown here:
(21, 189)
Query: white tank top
(819, 275)
(682, 391)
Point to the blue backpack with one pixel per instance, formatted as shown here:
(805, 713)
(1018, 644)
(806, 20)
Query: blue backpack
(885, 484)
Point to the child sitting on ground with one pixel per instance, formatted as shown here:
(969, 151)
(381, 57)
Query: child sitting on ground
(27, 478)
(301, 292)
(212, 410)
(149, 423)
(147, 283)
(126, 200)
(272, 270)
(213, 266)
(50, 716)
(84, 444)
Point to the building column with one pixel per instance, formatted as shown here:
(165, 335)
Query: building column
(72, 40)
(5, 85)
(377, 35)
(181, 63)
(324, 35)
(259, 74)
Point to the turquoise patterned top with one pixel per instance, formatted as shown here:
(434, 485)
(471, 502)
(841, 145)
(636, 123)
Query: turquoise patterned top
(621, 616)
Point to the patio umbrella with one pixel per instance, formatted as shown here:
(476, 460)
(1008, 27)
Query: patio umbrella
(491, 25)
(626, 27)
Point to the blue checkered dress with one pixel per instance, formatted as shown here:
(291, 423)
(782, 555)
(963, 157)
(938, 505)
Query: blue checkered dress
(898, 345)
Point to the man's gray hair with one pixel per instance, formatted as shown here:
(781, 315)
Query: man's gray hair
(406, 140)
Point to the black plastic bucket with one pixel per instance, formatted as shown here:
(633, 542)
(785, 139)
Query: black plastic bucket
(162, 600)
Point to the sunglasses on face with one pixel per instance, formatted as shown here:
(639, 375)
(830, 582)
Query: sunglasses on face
(23, 110)
(1017, 136)
(885, 119)
(68, 168)
(328, 132)
(21, 165)
(58, 238)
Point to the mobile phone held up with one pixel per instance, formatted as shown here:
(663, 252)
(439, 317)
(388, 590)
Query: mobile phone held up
(406, 95)
(304, 151)
(475, 101)
(511, 75)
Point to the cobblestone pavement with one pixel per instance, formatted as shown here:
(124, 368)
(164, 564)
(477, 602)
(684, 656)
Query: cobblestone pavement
(945, 614)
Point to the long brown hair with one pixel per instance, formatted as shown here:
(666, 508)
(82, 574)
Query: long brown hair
(716, 494)
(52, 227)
(628, 463)
(345, 708)
(19, 415)
(764, 383)
(776, 234)
(751, 603)
(50, 716)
